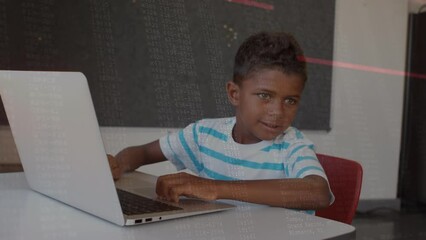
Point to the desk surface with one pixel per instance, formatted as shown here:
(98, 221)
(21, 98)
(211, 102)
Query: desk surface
(25, 214)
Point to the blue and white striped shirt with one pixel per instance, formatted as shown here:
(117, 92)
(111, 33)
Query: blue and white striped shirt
(208, 149)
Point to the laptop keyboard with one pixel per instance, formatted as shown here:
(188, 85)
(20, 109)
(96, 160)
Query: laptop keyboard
(133, 204)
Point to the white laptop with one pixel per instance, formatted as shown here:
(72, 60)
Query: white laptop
(56, 132)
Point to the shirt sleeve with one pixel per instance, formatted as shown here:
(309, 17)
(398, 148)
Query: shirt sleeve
(303, 162)
(181, 149)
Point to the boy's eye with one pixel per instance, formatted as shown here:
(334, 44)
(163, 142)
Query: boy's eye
(290, 101)
(264, 96)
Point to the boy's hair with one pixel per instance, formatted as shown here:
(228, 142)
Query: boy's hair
(277, 50)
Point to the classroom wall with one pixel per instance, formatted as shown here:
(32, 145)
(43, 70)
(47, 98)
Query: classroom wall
(367, 106)
(366, 113)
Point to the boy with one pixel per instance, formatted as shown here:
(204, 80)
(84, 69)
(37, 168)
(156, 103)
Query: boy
(255, 156)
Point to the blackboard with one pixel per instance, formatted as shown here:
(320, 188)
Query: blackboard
(162, 63)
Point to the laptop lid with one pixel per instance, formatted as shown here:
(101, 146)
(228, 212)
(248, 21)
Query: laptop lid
(56, 132)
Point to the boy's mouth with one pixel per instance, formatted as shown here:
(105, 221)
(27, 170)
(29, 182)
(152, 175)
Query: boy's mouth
(271, 125)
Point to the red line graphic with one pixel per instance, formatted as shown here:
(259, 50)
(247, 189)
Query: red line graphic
(252, 3)
(361, 67)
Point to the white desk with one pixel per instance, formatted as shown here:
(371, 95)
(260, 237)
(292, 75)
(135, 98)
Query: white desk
(25, 214)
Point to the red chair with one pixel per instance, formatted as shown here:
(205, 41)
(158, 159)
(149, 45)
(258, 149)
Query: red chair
(345, 178)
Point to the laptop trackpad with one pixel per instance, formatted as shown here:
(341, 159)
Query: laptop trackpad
(138, 183)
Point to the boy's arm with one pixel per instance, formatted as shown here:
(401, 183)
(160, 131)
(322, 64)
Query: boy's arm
(310, 192)
(133, 157)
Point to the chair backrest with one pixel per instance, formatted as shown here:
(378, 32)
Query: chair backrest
(345, 178)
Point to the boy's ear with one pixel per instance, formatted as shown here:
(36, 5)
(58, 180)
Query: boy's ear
(233, 91)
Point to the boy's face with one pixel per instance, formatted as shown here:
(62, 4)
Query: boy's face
(266, 103)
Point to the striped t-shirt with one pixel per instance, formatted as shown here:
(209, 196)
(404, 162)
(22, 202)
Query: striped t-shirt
(208, 149)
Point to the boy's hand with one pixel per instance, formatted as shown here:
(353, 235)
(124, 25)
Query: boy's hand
(170, 187)
(115, 167)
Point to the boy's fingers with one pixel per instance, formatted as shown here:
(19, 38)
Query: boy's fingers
(170, 187)
(161, 187)
(164, 183)
(115, 169)
(180, 190)
(115, 173)
(112, 162)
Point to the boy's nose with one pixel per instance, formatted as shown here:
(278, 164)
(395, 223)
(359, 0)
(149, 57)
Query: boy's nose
(276, 109)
